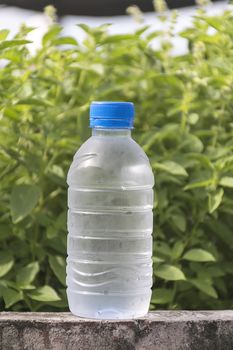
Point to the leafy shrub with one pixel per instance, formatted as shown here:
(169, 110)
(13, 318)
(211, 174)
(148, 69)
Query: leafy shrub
(184, 122)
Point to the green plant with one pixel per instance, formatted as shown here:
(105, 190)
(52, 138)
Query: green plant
(184, 122)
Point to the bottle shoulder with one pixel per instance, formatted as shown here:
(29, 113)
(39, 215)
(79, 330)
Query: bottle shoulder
(123, 147)
(111, 162)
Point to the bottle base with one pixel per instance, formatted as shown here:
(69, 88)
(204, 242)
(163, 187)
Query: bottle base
(108, 307)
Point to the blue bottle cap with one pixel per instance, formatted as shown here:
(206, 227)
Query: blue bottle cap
(113, 115)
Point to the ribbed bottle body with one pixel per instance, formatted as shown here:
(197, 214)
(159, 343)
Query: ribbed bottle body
(110, 220)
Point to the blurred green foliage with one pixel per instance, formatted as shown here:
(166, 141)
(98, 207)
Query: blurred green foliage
(184, 122)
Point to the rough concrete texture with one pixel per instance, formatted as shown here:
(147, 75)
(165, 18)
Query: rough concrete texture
(162, 330)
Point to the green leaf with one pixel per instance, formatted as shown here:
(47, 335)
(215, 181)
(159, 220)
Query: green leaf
(65, 40)
(58, 265)
(211, 271)
(222, 231)
(205, 287)
(6, 262)
(226, 181)
(193, 118)
(57, 170)
(198, 184)
(171, 167)
(4, 34)
(58, 225)
(11, 43)
(214, 22)
(162, 248)
(215, 199)
(192, 143)
(34, 102)
(51, 34)
(45, 294)
(51, 232)
(11, 296)
(156, 259)
(27, 274)
(27, 287)
(85, 28)
(198, 255)
(162, 296)
(201, 159)
(180, 221)
(169, 272)
(63, 303)
(142, 30)
(178, 249)
(24, 198)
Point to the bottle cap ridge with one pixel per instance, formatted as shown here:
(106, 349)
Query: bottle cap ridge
(114, 115)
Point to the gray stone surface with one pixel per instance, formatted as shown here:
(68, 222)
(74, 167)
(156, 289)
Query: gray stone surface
(162, 330)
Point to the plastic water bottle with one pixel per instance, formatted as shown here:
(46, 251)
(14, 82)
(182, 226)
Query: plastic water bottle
(110, 200)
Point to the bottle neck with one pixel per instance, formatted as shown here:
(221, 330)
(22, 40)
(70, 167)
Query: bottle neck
(111, 132)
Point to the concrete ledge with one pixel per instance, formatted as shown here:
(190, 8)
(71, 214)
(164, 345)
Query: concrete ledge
(162, 330)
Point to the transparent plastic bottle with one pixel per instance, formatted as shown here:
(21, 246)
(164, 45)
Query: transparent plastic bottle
(110, 200)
